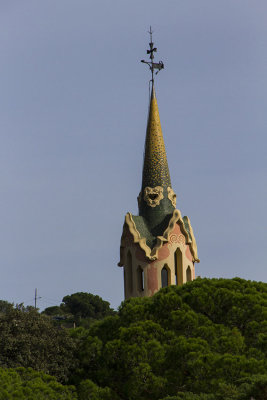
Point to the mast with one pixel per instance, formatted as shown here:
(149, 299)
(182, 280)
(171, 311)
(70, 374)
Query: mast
(152, 65)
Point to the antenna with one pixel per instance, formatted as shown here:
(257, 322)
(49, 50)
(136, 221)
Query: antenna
(152, 65)
(36, 298)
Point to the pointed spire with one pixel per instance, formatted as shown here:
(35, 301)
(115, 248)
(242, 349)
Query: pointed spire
(155, 169)
(154, 200)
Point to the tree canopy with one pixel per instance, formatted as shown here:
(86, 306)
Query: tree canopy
(27, 384)
(205, 340)
(82, 308)
(29, 339)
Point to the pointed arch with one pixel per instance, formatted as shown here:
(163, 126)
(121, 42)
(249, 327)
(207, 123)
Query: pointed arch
(165, 276)
(178, 265)
(129, 273)
(140, 279)
(188, 274)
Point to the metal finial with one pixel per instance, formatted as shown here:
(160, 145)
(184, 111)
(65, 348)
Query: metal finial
(152, 66)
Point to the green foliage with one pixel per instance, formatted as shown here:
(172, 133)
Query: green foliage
(190, 396)
(54, 311)
(5, 307)
(80, 308)
(29, 339)
(205, 340)
(26, 384)
(254, 387)
(86, 305)
(88, 390)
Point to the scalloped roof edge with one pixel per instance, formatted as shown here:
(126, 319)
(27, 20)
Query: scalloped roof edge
(152, 254)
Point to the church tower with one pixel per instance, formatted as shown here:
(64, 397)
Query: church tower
(158, 246)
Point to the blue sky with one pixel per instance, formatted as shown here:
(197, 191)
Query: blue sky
(73, 108)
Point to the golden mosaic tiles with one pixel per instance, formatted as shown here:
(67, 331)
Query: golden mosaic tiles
(156, 170)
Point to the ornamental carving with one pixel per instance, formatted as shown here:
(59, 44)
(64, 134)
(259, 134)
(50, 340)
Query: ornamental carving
(153, 196)
(177, 239)
(173, 238)
(172, 196)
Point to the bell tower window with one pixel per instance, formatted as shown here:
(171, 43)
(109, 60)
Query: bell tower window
(129, 273)
(164, 277)
(140, 279)
(178, 265)
(175, 269)
(188, 274)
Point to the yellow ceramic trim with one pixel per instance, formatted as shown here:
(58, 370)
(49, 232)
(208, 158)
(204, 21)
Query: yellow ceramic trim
(171, 196)
(158, 191)
(193, 246)
(177, 218)
(152, 254)
(136, 236)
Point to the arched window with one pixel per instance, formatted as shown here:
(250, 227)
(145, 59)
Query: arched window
(178, 265)
(140, 279)
(164, 277)
(129, 273)
(175, 269)
(188, 274)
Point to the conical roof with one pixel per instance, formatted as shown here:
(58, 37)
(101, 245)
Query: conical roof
(155, 201)
(155, 168)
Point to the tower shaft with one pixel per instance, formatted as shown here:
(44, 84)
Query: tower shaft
(158, 247)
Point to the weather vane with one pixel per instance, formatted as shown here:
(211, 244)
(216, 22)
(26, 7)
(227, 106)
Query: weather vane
(152, 65)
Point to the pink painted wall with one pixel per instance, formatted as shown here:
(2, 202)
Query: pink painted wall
(152, 279)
